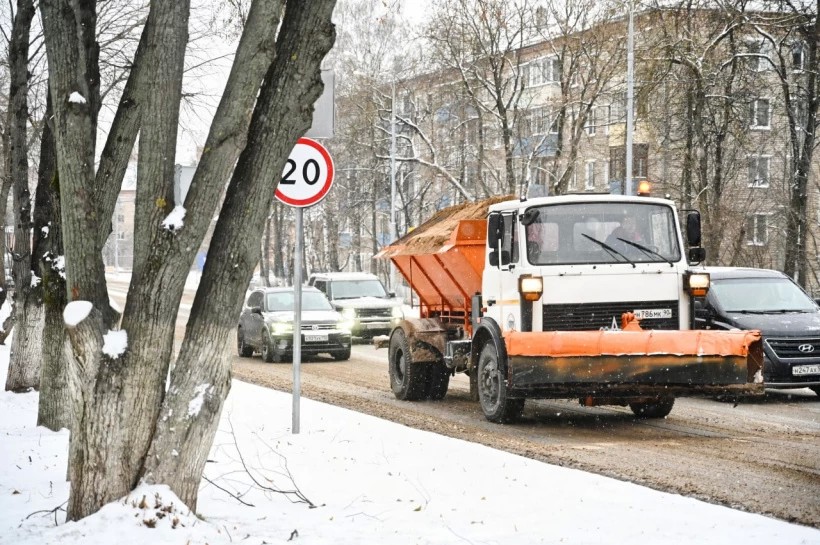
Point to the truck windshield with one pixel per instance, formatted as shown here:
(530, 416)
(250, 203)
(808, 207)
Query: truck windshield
(602, 232)
(352, 289)
(761, 295)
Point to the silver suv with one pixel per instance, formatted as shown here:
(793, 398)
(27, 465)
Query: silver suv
(361, 298)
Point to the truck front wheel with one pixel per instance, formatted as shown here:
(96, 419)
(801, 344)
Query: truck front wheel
(492, 388)
(653, 409)
(408, 380)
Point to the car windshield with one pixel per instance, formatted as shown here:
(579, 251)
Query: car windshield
(602, 232)
(351, 289)
(283, 301)
(761, 295)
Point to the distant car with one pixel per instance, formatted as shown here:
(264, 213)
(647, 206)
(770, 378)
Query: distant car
(768, 300)
(266, 325)
(361, 298)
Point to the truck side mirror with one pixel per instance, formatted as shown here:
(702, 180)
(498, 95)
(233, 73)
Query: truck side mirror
(693, 228)
(697, 255)
(493, 257)
(494, 229)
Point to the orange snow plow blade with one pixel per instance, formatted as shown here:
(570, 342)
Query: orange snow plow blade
(635, 362)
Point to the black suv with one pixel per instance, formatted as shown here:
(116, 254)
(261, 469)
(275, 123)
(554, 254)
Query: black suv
(768, 300)
(266, 325)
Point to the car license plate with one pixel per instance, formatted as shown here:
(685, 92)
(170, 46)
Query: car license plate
(373, 326)
(652, 313)
(316, 338)
(799, 370)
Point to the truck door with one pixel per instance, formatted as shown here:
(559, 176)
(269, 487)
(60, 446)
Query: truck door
(501, 286)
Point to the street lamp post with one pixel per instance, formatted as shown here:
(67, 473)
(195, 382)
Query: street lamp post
(393, 234)
(630, 76)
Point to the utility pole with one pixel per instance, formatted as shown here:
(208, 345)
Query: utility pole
(393, 234)
(630, 76)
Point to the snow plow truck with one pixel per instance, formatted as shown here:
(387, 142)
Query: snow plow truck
(563, 297)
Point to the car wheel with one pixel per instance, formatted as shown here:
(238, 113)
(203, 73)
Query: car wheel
(269, 353)
(407, 379)
(341, 355)
(492, 388)
(438, 380)
(653, 409)
(243, 349)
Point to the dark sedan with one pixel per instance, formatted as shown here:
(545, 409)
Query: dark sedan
(768, 300)
(266, 325)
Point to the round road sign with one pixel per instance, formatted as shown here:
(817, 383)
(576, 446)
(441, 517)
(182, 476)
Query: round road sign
(308, 174)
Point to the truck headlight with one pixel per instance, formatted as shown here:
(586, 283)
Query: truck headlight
(349, 314)
(396, 312)
(697, 284)
(280, 328)
(531, 287)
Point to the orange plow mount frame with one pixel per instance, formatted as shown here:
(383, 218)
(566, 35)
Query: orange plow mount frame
(634, 362)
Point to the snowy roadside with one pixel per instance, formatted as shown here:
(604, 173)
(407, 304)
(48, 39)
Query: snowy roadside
(371, 481)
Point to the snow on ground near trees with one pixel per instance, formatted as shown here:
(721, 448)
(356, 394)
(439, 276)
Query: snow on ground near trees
(372, 482)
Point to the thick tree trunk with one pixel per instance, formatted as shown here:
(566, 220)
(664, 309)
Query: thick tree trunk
(201, 376)
(26, 346)
(55, 406)
(25, 358)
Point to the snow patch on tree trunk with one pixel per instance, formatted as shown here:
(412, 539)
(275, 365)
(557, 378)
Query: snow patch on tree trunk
(76, 98)
(174, 221)
(115, 343)
(76, 311)
(196, 403)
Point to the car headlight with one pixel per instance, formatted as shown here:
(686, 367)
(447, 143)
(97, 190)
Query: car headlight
(349, 313)
(280, 328)
(344, 325)
(397, 312)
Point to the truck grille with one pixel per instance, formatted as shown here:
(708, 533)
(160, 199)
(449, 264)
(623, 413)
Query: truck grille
(791, 348)
(594, 316)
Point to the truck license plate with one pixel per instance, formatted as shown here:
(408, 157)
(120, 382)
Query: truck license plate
(316, 338)
(799, 370)
(653, 313)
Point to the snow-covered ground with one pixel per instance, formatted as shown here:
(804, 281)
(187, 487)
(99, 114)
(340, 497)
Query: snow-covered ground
(370, 482)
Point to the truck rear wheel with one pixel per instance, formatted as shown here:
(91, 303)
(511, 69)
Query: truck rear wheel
(492, 388)
(408, 380)
(653, 409)
(438, 380)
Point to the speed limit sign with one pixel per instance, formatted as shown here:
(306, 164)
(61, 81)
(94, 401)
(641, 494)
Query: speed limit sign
(308, 175)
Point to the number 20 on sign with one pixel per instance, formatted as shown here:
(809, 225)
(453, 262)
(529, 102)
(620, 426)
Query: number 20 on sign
(308, 175)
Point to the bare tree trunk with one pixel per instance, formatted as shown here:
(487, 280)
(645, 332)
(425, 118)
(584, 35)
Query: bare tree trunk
(26, 353)
(202, 371)
(55, 409)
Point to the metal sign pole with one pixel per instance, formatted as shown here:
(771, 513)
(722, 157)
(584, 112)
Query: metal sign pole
(297, 321)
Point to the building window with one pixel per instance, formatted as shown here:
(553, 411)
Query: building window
(542, 121)
(589, 125)
(589, 175)
(542, 71)
(758, 56)
(760, 114)
(759, 170)
(798, 56)
(757, 229)
(120, 218)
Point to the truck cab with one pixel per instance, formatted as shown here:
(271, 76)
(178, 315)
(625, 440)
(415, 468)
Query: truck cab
(598, 257)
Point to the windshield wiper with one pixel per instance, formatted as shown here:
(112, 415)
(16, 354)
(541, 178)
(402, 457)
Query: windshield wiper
(770, 311)
(647, 251)
(612, 251)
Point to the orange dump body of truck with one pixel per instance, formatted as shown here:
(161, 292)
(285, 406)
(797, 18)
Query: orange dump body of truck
(443, 260)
